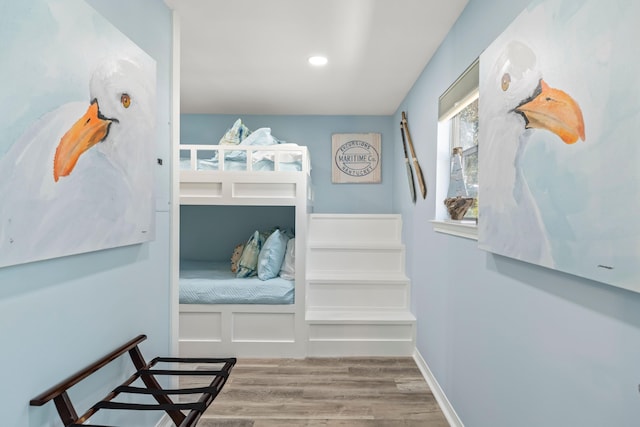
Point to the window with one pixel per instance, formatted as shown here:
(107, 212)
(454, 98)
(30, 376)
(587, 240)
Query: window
(458, 129)
(464, 139)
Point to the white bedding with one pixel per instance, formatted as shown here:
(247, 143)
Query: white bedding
(207, 282)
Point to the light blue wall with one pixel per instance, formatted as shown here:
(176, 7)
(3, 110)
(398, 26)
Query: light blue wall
(314, 132)
(59, 315)
(210, 233)
(510, 343)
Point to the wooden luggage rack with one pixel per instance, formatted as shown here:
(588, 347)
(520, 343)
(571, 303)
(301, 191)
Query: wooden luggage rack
(144, 372)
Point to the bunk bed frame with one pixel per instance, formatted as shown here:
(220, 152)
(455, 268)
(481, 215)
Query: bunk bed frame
(248, 330)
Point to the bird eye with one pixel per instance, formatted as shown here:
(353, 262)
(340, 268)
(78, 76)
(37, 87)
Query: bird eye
(125, 100)
(506, 81)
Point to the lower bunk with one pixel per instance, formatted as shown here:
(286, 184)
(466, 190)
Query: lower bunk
(241, 281)
(221, 314)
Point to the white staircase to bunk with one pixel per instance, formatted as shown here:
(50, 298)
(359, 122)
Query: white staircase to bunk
(357, 301)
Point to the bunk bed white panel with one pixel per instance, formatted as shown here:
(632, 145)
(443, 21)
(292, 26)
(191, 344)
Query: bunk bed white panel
(277, 187)
(263, 327)
(248, 330)
(244, 330)
(200, 326)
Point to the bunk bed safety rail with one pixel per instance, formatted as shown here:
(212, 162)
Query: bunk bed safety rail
(194, 152)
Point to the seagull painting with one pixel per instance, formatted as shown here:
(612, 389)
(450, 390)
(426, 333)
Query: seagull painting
(558, 122)
(516, 100)
(79, 177)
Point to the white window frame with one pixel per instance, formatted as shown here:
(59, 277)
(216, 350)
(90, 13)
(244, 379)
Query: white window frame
(459, 95)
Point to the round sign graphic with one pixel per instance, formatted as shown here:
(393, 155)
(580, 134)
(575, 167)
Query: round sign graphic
(357, 158)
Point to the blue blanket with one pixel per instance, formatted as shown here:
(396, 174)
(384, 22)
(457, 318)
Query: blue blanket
(207, 282)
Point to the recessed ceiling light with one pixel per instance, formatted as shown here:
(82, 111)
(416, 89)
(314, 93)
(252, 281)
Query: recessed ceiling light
(318, 61)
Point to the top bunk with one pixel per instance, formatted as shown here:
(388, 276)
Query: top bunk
(257, 170)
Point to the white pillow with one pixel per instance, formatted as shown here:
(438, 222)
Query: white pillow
(288, 269)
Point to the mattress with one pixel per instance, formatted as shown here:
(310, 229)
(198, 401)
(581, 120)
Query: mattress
(207, 282)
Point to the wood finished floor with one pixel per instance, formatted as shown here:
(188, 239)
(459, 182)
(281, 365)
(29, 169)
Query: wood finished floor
(323, 392)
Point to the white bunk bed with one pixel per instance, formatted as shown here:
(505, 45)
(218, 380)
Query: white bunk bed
(273, 175)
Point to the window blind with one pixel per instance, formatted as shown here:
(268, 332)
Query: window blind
(465, 87)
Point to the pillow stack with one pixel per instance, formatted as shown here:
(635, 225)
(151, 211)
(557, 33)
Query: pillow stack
(267, 258)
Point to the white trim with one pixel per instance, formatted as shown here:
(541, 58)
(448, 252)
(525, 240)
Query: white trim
(446, 407)
(174, 249)
(165, 421)
(456, 228)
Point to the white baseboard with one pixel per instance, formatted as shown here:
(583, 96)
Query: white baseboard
(446, 407)
(165, 421)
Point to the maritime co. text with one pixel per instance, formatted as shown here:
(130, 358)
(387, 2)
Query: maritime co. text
(357, 158)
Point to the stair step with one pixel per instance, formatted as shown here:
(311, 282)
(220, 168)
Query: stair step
(358, 262)
(378, 228)
(359, 317)
(363, 246)
(350, 277)
(357, 294)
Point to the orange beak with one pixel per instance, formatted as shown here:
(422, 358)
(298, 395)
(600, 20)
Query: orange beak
(555, 111)
(84, 134)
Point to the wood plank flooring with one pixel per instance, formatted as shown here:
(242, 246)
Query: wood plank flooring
(323, 392)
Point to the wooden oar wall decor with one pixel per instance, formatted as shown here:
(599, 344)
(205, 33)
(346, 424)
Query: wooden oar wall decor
(412, 186)
(404, 129)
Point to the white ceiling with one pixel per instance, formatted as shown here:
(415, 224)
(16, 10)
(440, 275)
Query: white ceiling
(250, 56)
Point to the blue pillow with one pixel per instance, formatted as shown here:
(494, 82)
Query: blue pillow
(272, 255)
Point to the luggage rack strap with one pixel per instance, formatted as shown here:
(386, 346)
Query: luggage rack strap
(182, 372)
(195, 360)
(142, 390)
(197, 406)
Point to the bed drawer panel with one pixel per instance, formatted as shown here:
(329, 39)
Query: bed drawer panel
(200, 326)
(200, 189)
(263, 327)
(264, 189)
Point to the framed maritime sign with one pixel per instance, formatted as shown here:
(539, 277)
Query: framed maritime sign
(356, 158)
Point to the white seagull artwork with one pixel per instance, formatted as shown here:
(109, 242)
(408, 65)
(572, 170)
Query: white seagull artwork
(80, 178)
(515, 101)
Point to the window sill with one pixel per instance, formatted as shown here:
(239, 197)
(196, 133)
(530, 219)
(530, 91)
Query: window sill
(466, 229)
